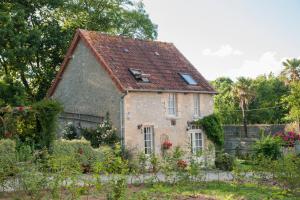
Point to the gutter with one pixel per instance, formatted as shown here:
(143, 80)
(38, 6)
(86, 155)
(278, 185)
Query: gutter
(122, 119)
(172, 91)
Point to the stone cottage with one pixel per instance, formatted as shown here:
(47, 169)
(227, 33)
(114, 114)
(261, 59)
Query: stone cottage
(150, 89)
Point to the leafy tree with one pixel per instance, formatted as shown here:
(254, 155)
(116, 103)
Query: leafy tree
(293, 102)
(291, 71)
(267, 106)
(225, 105)
(243, 92)
(36, 33)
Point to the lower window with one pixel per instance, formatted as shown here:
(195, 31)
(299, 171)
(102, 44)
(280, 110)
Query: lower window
(197, 142)
(149, 140)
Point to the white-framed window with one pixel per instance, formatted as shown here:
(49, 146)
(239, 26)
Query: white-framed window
(197, 105)
(197, 141)
(172, 104)
(148, 139)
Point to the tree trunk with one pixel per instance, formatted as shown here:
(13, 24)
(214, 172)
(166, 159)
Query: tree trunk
(245, 122)
(26, 84)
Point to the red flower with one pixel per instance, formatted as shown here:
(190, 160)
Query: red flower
(289, 138)
(182, 164)
(167, 144)
(20, 108)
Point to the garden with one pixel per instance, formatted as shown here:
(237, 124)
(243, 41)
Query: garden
(35, 164)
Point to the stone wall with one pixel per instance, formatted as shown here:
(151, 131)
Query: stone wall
(236, 141)
(151, 109)
(87, 89)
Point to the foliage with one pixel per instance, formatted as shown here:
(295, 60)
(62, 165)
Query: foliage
(81, 150)
(292, 101)
(11, 93)
(213, 129)
(70, 132)
(8, 160)
(268, 146)
(225, 105)
(34, 125)
(46, 112)
(268, 90)
(104, 134)
(291, 71)
(224, 161)
(39, 32)
(289, 138)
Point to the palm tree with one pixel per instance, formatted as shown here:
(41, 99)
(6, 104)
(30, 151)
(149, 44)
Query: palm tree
(291, 71)
(243, 92)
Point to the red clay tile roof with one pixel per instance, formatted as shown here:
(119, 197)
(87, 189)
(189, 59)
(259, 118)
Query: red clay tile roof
(118, 54)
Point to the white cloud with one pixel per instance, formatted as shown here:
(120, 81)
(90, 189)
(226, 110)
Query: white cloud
(266, 63)
(223, 51)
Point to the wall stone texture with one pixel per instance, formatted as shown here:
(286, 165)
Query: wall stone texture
(86, 88)
(236, 140)
(151, 109)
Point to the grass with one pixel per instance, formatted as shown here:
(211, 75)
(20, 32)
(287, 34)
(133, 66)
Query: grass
(213, 190)
(186, 191)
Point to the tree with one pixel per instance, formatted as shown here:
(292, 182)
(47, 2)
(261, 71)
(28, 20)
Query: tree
(243, 92)
(36, 33)
(293, 102)
(225, 105)
(291, 71)
(267, 106)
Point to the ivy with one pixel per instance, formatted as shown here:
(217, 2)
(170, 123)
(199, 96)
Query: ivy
(212, 127)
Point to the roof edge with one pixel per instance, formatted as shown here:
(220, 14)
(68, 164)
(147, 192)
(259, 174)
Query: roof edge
(63, 65)
(173, 91)
(79, 35)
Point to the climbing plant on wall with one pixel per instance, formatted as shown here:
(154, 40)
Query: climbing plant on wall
(212, 127)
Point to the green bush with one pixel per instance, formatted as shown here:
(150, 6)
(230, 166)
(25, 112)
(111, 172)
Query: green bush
(80, 149)
(213, 129)
(268, 146)
(104, 134)
(224, 161)
(34, 125)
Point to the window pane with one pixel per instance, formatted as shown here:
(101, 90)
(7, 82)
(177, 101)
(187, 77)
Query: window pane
(189, 79)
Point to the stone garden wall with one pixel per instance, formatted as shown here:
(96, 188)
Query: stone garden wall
(236, 142)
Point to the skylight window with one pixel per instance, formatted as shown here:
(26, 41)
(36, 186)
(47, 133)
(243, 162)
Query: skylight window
(139, 75)
(188, 78)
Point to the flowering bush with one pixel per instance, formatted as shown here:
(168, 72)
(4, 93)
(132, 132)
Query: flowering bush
(288, 138)
(167, 144)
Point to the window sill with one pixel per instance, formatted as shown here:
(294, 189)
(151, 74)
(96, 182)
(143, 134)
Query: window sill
(172, 117)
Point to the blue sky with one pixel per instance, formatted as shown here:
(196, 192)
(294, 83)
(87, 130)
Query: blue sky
(230, 37)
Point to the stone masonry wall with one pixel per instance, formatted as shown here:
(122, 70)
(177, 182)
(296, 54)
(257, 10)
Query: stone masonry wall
(87, 89)
(235, 136)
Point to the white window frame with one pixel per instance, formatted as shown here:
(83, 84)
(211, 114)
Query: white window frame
(172, 104)
(197, 111)
(197, 146)
(148, 141)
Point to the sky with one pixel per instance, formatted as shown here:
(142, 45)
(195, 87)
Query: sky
(230, 38)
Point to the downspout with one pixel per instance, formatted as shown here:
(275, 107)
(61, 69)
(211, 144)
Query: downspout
(122, 119)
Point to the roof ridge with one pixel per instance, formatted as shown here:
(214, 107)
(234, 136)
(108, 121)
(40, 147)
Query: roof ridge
(124, 37)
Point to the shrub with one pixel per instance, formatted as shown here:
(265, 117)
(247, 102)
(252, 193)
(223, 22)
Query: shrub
(34, 124)
(70, 132)
(80, 149)
(288, 138)
(268, 146)
(224, 161)
(103, 134)
(213, 129)
(8, 159)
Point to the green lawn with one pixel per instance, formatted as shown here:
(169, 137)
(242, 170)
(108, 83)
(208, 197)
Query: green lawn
(212, 190)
